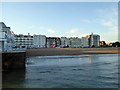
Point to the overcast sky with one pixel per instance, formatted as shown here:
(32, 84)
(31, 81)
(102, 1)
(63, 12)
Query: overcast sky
(70, 19)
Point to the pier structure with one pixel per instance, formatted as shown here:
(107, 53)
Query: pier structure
(14, 60)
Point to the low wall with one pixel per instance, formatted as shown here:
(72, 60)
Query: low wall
(13, 60)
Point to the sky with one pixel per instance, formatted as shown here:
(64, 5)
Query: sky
(63, 19)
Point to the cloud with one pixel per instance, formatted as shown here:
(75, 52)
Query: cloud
(51, 31)
(107, 23)
(73, 31)
(109, 19)
(114, 28)
(111, 36)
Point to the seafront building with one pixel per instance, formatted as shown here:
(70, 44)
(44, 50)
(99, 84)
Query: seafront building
(94, 40)
(84, 42)
(75, 42)
(10, 41)
(65, 42)
(3, 41)
(23, 41)
(39, 41)
(57, 42)
(50, 41)
(6, 38)
(53, 42)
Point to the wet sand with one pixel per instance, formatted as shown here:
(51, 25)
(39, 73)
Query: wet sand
(70, 51)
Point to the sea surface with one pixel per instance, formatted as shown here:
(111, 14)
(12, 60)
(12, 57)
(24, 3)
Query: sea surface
(77, 71)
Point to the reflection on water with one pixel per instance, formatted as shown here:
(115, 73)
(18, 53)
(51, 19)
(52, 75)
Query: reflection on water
(78, 71)
(14, 79)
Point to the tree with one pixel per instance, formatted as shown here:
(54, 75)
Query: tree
(113, 45)
(116, 44)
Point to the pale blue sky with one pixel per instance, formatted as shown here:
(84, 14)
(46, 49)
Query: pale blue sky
(63, 18)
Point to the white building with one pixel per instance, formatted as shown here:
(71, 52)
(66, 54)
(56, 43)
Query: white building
(84, 42)
(65, 42)
(75, 42)
(39, 41)
(6, 38)
(94, 40)
(23, 41)
(3, 41)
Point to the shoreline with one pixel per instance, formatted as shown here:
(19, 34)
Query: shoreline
(70, 51)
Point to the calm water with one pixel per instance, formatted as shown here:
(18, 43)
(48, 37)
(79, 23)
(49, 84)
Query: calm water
(81, 71)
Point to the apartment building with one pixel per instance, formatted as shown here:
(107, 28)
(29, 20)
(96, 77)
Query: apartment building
(23, 41)
(65, 42)
(6, 38)
(39, 41)
(57, 42)
(3, 41)
(53, 42)
(50, 41)
(75, 42)
(84, 42)
(94, 40)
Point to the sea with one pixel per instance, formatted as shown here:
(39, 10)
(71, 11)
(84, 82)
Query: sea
(70, 71)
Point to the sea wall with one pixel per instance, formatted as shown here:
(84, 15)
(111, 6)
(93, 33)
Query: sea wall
(13, 60)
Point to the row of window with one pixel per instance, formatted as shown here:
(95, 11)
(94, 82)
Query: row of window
(23, 39)
(24, 44)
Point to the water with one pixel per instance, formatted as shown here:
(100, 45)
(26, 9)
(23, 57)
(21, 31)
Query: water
(78, 71)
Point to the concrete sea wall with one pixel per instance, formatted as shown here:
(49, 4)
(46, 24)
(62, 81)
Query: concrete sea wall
(13, 60)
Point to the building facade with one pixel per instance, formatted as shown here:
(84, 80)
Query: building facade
(23, 41)
(94, 40)
(39, 41)
(6, 38)
(84, 42)
(57, 42)
(53, 42)
(3, 41)
(75, 42)
(50, 42)
(65, 42)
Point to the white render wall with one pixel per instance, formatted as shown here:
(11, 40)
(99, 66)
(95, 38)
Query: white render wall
(2, 35)
(75, 42)
(3, 41)
(6, 37)
(39, 41)
(84, 41)
(23, 41)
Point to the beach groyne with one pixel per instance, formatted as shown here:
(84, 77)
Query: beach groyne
(13, 60)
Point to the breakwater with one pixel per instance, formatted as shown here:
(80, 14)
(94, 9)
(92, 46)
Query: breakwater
(13, 60)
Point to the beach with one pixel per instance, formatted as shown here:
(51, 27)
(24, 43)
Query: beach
(70, 51)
